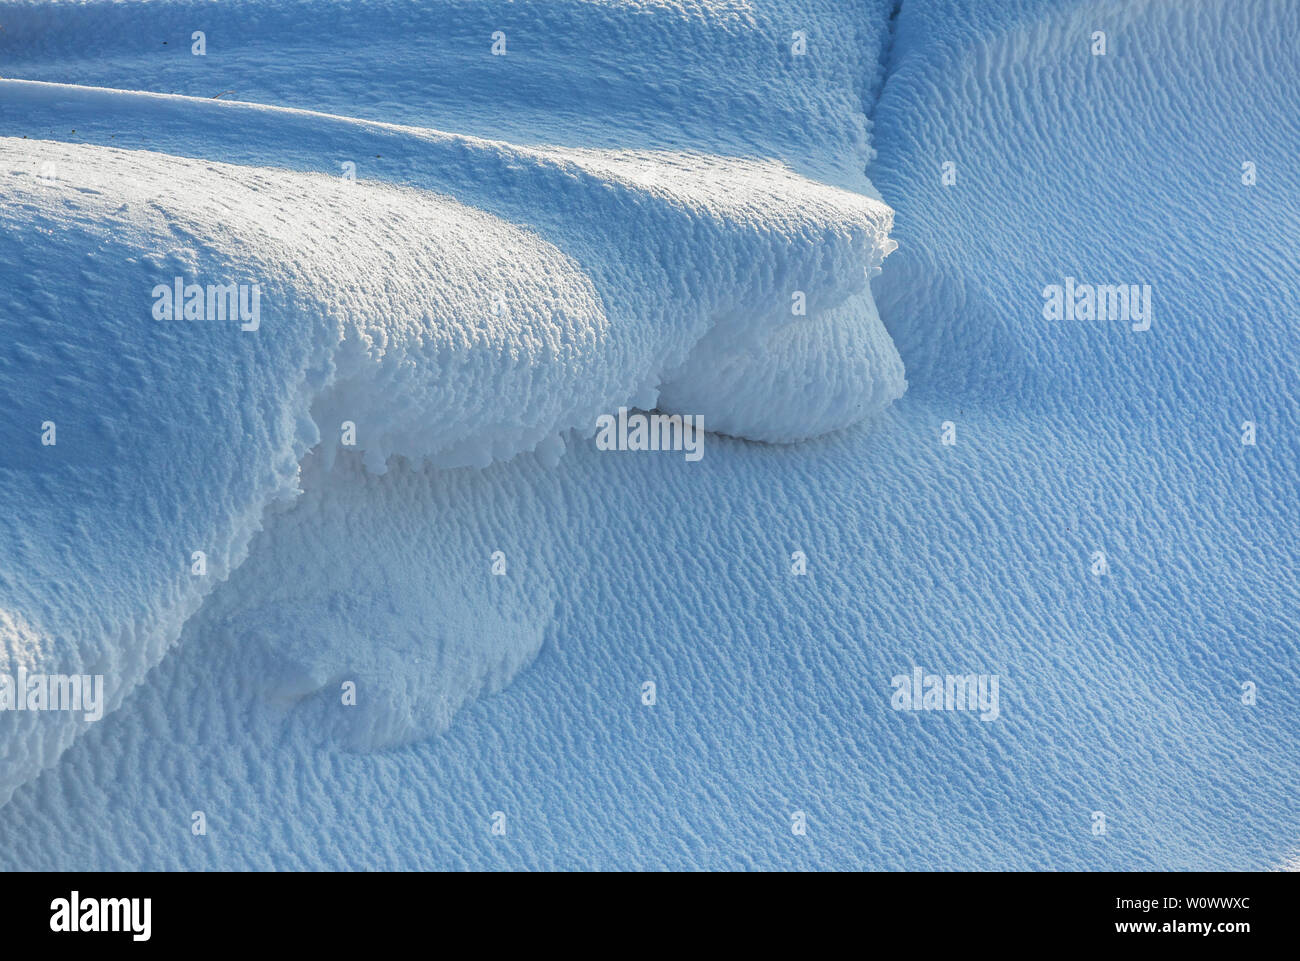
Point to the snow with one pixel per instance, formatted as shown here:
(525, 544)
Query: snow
(439, 331)
(619, 212)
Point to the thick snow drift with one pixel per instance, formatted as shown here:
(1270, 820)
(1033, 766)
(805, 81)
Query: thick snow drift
(620, 208)
(396, 320)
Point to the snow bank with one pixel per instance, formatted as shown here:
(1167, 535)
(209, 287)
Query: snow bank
(401, 321)
(463, 301)
(662, 165)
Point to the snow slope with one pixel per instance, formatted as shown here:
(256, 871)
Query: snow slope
(440, 331)
(656, 212)
(715, 76)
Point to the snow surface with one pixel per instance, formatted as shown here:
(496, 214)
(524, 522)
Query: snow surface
(617, 212)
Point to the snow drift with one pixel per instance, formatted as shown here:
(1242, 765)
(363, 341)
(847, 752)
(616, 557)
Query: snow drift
(677, 172)
(421, 320)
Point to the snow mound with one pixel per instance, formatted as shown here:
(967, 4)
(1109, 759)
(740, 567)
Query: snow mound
(396, 320)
